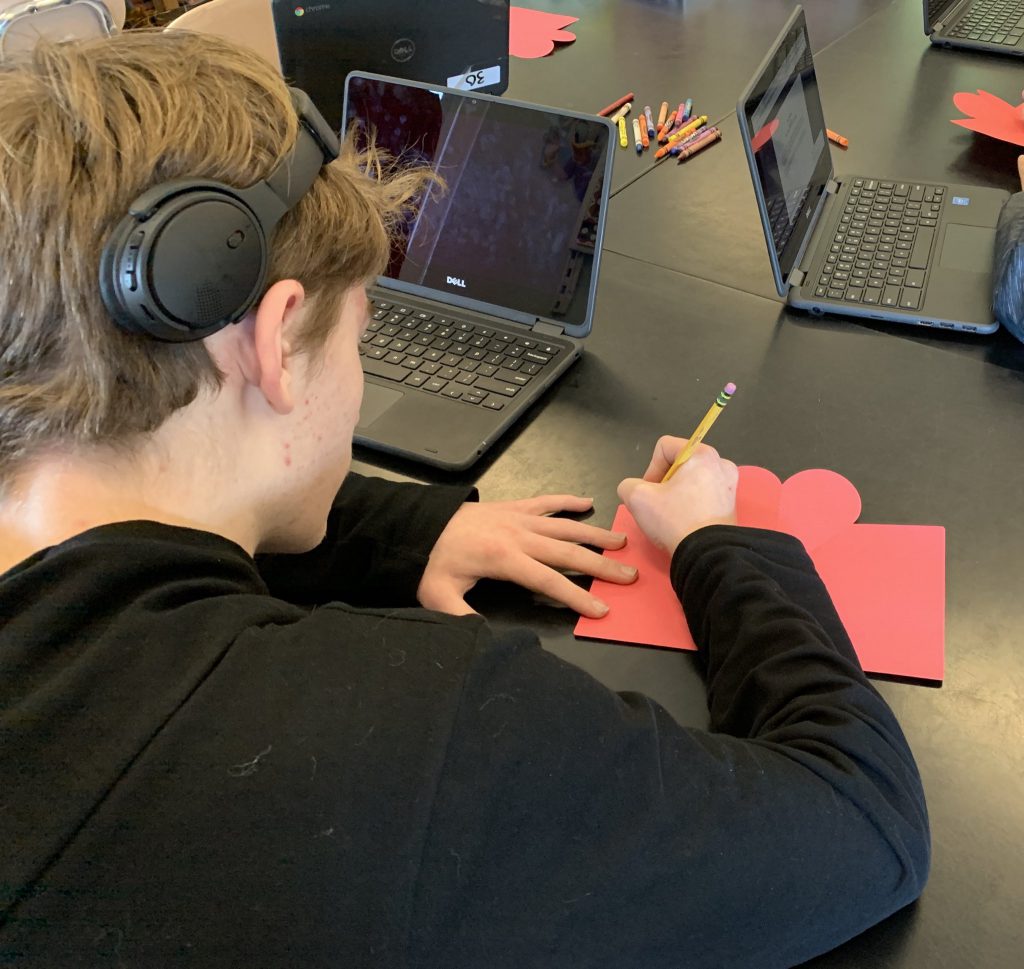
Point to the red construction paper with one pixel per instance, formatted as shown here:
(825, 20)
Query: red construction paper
(887, 581)
(989, 115)
(533, 33)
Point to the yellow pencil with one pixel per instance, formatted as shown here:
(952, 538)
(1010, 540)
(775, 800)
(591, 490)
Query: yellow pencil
(702, 428)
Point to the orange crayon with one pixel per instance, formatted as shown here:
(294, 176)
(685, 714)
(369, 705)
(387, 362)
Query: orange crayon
(837, 138)
(645, 139)
(667, 127)
(662, 111)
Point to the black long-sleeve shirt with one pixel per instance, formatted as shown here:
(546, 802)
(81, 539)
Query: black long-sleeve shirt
(195, 771)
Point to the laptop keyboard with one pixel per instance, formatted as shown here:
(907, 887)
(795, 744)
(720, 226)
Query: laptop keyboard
(880, 252)
(480, 365)
(994, 21)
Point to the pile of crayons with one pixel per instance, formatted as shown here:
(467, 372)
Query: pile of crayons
(676, 133)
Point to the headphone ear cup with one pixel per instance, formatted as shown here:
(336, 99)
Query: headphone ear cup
(193, 262)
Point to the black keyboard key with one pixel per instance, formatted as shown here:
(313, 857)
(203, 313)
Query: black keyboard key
(435, 384)
(494, 403)
(915, 278)
(470, 398)
(416, 379)
(922, 248)
(452, 391)
(891, 296)
(497, 386)
(447, 373)
(510, 376)
(910, 299)
(486, 370)
(395, 357)
(389, 371)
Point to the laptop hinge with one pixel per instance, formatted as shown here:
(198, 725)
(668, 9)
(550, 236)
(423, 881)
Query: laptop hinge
(548, 329)
(831, 187)
(797, 277)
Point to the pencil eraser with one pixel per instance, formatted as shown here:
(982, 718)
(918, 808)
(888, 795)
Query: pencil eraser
(730, 389)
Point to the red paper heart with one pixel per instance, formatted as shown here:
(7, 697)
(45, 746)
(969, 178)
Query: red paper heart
(533, 33)
(989, 115)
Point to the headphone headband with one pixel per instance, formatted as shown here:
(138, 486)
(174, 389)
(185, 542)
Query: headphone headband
(191, 255)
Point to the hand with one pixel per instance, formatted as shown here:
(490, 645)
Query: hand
(518, 542)
(702, 492)
(1020, 167)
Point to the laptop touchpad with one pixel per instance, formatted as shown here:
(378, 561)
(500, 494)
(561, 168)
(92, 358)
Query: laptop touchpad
(968, 247)
(377, 400)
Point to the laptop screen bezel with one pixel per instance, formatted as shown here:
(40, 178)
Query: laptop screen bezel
(453, 299)
(783, 264)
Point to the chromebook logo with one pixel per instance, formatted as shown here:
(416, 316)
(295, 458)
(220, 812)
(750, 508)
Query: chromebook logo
(299, 11)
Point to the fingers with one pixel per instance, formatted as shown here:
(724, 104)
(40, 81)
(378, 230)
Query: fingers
(580, 533)
(552, 504)
(533, 575)
(575, 558)
(1020, 169)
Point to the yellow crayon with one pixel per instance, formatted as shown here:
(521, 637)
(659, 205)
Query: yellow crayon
(623, 137)
(688, 129)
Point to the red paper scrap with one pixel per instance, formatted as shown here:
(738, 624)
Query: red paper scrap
(989, 115)
(888, 582)
(533, 33)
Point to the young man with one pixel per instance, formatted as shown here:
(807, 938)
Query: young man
(245, 723)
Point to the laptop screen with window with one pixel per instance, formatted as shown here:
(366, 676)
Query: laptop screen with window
(517, 225)
(788, 141)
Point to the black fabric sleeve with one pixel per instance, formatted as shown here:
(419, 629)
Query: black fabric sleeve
(379, 537)
(578, 827)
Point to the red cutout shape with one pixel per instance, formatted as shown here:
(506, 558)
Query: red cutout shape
(989, 115)
(888, 582)
(533, 33)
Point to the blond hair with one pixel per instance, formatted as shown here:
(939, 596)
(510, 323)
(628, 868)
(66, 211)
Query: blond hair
(84, 129)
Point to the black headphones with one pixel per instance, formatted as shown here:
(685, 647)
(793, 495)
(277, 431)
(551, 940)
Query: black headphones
(191, 256)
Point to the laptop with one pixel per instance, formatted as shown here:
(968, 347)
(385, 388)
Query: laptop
(906, 250)
(460, 43)
(988, 25)
(490, 294)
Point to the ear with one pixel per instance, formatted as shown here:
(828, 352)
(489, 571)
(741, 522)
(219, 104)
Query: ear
(267, 364)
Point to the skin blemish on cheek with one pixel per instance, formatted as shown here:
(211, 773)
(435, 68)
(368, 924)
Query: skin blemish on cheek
(287, 454)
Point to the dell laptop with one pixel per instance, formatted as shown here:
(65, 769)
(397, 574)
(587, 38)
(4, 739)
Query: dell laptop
(491, 289)
(906, 250)
(460, 43)
(987, 25)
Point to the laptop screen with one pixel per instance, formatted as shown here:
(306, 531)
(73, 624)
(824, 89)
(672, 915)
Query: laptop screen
(460, 43)
(516, 229)
(787, 144)
(935, 10)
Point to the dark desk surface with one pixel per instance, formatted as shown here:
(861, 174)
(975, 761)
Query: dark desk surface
(930, 427)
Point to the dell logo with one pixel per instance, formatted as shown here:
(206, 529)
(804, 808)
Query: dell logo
(455, 281)
(402, 50)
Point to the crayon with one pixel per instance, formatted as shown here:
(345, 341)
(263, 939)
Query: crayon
(637, 141)
(650, 121)
(699, 144)
(669, 124)
(837, 138)
(678, 146)
(615, 105)
(623, 137)
(687, 109)
(687, 129)
(702, 428)
(645, 138)
(662, 112)
(621, 113)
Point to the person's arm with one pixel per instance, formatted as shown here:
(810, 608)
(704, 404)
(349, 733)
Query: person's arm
(379, 538)
(575, 826)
